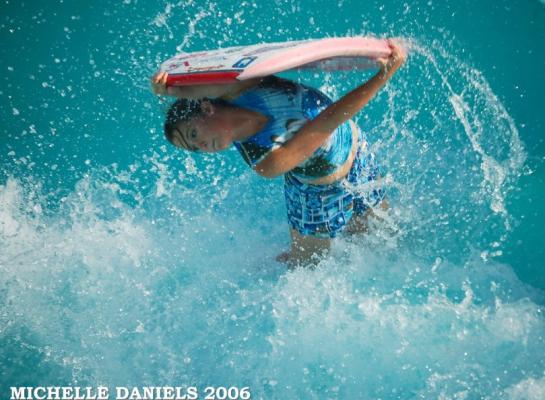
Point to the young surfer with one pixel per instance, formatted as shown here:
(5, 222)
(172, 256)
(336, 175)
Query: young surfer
(285, 128)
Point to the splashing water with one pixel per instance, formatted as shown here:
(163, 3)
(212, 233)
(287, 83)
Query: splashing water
(105, 292)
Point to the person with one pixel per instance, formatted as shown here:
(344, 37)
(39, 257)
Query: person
(285, 128)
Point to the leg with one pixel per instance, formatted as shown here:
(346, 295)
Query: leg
(316, 213)
(304, 249)
(360, 222)
(365, 171)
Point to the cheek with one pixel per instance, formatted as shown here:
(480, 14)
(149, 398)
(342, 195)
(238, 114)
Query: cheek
(220, 126)
(203, 129)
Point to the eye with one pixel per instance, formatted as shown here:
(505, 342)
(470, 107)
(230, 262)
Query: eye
(193, 134)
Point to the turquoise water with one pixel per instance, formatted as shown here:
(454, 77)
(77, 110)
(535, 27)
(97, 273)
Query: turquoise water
(125, 262)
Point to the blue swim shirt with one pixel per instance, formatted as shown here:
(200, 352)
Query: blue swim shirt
(289, 105)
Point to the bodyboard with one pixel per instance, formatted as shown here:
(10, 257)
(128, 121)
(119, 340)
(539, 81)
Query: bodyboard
(239, 63)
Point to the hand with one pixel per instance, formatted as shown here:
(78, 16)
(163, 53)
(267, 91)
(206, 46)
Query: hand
(395, 60)
(159, 83)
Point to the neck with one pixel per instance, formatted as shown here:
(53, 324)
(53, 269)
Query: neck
(247, 123)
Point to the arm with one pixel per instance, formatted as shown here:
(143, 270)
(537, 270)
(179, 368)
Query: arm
(316, 132)
(229, 90)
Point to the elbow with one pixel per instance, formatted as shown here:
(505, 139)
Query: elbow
(267, 173)
(270, 167)
(277, 163)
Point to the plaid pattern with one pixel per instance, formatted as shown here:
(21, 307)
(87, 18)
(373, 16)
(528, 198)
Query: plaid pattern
(324, 210)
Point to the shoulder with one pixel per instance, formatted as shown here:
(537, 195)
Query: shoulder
(273, 84)
(275, 90)
(267, 89)
(234, 90)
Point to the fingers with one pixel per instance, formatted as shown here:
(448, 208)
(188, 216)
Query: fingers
(390, 64)
(393, 47)
(159, 82)
(398, 53)
(391, 43)
(393, 53)
(160, 77)
(399, 49)
(382, 62)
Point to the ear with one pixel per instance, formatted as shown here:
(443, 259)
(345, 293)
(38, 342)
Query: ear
(207, 107)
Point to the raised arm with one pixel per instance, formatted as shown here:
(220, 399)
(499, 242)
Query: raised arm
(227, 91)
(316, 132)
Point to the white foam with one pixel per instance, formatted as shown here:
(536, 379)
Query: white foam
(527, 389)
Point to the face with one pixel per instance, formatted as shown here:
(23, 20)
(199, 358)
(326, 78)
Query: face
(209, 133)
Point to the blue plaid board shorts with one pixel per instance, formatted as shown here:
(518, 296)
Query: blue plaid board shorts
(324, 210)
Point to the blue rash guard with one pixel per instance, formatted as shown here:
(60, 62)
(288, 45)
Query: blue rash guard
(290, 105)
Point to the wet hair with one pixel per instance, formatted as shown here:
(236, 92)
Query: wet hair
(185, 110)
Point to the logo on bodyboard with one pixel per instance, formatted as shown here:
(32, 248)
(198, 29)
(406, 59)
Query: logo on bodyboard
(244, 62)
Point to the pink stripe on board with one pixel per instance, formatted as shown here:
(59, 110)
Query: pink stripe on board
(313, 51)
